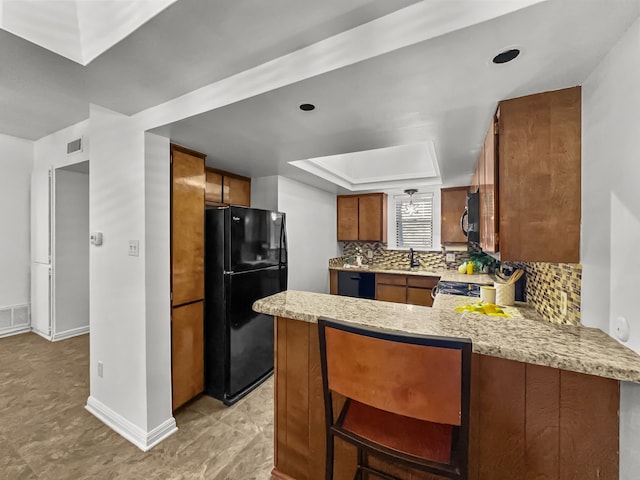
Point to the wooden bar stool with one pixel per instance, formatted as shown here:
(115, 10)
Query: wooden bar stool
(407, 397)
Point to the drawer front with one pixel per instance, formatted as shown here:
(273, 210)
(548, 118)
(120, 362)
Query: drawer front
(422, 282)
(419, 296)
(391, 293)
(389, 279)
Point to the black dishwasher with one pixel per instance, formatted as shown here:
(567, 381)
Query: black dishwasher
(357, 284)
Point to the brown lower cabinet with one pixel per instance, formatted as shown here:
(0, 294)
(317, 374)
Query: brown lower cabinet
(411, 289)
(527, 421)
(187, 352)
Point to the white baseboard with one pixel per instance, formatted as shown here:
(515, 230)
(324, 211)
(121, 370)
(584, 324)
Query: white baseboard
(143, 440)
(74, 332)
(43, 335)
(9, 331)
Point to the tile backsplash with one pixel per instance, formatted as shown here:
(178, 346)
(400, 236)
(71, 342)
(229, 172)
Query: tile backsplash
(397, 258)
(546, 281)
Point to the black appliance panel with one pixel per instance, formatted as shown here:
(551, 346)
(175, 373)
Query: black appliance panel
(473, 217)
(250, 334)
(357, 284)
(256, 239)
(459, 288)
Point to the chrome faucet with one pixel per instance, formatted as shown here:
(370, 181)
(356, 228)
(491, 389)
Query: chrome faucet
(412, 260)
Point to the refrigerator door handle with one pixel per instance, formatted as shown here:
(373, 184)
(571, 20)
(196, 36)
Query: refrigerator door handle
(283, 243)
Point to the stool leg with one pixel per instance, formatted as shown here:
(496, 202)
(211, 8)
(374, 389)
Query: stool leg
(329, 462)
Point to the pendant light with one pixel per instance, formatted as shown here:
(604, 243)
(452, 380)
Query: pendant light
(410, 208)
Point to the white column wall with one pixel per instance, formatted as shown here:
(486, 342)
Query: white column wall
(158, 283)
(611, 214)
(117, 281)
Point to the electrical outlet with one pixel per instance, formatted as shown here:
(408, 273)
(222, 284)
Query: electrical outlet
(450, 257)
(369, 254)
(100, 369)
(563, 303)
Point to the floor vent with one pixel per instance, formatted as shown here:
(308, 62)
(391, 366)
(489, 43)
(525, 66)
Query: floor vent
(15, 316)
(74, 146)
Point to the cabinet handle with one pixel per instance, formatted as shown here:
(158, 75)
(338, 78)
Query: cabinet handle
(355, 278)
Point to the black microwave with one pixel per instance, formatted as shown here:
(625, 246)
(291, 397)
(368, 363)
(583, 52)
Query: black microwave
(473, 218)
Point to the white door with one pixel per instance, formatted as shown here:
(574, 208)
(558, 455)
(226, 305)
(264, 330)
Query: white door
(41, 299)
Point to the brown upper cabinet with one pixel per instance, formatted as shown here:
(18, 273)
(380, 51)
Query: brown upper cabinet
(529, 174)
(487, 186)
(187, 225)
(452, 204)
(362, 217)
(224, 188)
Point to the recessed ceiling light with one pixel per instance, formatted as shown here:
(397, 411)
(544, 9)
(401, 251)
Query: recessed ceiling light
(506, 56)
(307, 107)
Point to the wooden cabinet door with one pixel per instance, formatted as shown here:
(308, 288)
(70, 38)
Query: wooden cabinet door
(391, 293)
(213, 187)
(539, 174)
(419, 296)
(488, 196)
(187, 352)
(187, 227)
(452, 205)
(347, 218)
(372, 218)
(236, 191)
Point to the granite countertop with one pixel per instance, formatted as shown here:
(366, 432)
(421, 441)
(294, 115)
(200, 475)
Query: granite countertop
(446, 274)
(524, 339)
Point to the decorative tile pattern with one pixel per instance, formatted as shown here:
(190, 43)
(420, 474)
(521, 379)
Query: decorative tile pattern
(546, 281)
(385, 258)
(568, 347)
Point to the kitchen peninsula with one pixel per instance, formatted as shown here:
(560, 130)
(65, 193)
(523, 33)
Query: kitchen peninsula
(545, 397)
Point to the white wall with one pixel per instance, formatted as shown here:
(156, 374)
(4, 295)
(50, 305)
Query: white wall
(311, 234)
(611, 214)
(71, 254)
(264, 192)
(16, 162)
(158, 284)
(129, 295)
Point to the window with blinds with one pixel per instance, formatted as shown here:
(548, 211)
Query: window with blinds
(414, 229)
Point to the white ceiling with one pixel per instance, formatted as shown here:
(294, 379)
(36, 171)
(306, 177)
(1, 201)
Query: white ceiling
(79, 30)
(188, 45)
(442, 90)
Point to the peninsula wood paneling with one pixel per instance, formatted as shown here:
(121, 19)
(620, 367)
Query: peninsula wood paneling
(527, 422)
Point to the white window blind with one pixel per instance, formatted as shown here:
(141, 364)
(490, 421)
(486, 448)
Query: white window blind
(414, 230)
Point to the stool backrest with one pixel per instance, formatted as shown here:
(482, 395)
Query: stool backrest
(417, 376)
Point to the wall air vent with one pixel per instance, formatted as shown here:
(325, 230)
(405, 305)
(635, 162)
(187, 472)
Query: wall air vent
(74, 146)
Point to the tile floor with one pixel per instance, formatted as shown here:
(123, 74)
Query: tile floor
(46, 434)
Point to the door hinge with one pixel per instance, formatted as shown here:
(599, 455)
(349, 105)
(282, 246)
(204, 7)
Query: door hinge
(496, 128)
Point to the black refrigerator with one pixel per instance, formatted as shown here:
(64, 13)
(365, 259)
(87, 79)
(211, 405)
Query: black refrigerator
(245, 260)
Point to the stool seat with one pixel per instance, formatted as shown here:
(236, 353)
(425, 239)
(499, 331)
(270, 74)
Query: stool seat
(410, 436)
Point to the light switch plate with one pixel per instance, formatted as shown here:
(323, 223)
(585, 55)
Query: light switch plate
(450, 257)
(134, 248)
